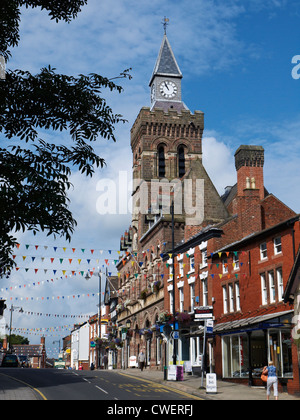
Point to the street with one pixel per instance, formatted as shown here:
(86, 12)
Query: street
(51, 384)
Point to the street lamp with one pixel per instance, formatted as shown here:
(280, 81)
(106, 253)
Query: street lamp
(12, 308)
(173, 262)
(87, 277)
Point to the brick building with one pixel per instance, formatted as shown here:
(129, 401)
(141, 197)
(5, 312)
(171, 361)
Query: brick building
(227, 257)
(166, 142)
(35, 353)
(241, 273)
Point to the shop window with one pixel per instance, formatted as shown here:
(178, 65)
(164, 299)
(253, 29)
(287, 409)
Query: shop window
(235, 356)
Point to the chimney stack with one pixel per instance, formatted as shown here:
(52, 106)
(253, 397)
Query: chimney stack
(249, 163)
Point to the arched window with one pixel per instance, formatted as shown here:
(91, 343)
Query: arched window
(161, 162)
(181, 162)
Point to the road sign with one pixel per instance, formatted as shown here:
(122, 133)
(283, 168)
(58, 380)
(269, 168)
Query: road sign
(175, 335)
(209, 326)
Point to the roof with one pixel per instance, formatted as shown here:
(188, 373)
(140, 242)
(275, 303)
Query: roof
(30, 350)
(174, 105)
(254, 235)
(166, 64)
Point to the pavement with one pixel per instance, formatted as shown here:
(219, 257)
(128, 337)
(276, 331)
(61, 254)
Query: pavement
(225, 390)
(12, 389)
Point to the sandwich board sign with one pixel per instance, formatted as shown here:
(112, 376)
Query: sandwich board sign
(172, 373)
(211, 383)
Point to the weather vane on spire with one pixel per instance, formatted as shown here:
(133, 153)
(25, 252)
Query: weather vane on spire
(165, 23)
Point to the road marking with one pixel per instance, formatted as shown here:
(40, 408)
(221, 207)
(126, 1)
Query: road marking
(163, 388)
(86, 380)
(101, 389)
(24, 383)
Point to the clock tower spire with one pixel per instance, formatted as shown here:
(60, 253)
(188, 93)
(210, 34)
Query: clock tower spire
(165, 82)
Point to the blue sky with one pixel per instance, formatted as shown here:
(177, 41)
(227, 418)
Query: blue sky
(236, 59)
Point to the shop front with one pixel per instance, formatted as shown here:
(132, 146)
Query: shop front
(247, 345)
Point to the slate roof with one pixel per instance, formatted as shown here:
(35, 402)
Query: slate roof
(28, 350)
(166, 64)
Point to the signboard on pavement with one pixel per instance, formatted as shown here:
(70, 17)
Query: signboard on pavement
(172, 373)
(211, 383)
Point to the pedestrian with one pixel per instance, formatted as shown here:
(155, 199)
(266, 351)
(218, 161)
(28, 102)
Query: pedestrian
(105, 361)
(142, 360)
(272, 380)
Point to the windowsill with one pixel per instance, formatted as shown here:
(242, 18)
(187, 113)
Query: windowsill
(263, 260)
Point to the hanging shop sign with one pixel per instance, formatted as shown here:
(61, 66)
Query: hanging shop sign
(203, 312)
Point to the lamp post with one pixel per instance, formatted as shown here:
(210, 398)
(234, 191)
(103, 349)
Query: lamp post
(173, 262)
(12, 308)
(87, 277)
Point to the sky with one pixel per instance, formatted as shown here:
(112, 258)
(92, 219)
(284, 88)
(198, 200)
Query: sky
(238, 60)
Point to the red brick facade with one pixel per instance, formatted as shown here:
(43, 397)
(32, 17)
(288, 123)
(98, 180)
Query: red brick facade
(232, 255)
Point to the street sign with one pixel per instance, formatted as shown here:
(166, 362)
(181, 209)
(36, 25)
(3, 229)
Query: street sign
(175, 335)
(203, 313)
(209, 326)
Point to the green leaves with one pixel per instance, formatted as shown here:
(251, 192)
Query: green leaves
(34, 174)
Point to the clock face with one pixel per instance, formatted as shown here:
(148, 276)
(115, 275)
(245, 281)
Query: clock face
(168, 89)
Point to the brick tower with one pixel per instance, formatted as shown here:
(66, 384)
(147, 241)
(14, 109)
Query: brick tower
(166, 142)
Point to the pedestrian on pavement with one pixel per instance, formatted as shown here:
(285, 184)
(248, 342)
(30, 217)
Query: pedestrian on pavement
(105, 361)
(272, 380)
(142, 360)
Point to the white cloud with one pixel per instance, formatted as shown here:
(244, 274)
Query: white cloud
(218, 161)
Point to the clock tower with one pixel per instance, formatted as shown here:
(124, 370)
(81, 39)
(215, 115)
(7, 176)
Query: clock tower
(166, 143)
(165, 82)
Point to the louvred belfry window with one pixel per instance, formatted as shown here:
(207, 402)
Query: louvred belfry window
(181, 162)
(161, 162)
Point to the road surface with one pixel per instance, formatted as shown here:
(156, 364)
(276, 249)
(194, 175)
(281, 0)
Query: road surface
(52, 384)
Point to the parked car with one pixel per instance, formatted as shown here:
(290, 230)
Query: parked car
(10, 360)
(24, 362)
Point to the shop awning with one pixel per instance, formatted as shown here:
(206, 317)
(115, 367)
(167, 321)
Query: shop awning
(274, 320)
